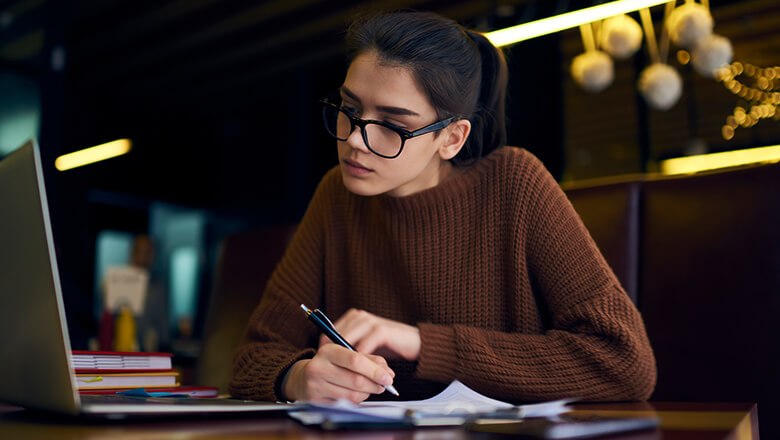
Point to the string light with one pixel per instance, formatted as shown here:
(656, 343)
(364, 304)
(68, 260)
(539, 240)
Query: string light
(683, 57)
(758, 86)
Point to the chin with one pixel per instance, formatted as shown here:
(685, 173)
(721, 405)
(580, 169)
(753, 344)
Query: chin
(360, 187)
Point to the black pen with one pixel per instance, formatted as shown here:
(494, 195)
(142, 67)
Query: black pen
(324, 324)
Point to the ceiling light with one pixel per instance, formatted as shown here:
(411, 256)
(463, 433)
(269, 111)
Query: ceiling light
(93, 154)
(526, 31)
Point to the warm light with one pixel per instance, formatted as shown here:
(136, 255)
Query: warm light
(703, 162)
(727, 131)
(93, 154)
(684, 57)
(526, 31)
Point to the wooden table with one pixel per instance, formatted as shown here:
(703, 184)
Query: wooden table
(686, 420)
(690, 421)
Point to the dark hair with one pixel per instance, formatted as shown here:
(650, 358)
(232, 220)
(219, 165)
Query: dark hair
(462, 73)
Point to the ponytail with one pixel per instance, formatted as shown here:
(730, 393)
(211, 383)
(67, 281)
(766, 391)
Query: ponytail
(462, 73)
(488, 121)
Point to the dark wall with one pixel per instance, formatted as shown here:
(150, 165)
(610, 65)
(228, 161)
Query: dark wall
(228, 122)
(245, 146)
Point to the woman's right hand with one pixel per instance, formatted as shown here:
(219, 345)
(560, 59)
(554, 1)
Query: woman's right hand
(337, 373)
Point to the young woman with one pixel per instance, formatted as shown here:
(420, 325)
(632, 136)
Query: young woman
(444, 254)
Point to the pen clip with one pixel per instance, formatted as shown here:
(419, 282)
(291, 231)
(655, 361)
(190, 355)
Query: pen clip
(322, 316)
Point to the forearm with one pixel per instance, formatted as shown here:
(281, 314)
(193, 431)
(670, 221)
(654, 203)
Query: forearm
(258, 369)
(277, 336)
(599, 359)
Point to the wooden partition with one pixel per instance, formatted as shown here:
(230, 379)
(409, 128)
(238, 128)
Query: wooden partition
(710, 286)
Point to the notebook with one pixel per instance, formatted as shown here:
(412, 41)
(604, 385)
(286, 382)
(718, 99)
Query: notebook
(36, 368)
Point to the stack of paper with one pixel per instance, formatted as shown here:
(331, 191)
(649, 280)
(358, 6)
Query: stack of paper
(101, 361)
(453, 406)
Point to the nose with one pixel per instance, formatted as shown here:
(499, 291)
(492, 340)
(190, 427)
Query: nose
(355, 140)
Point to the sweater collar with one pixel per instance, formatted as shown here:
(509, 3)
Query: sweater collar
(454, 186)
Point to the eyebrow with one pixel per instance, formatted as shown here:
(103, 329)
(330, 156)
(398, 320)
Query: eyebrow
(383, 108)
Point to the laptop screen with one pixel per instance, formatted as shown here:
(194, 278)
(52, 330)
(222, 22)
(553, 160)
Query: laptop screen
(35, 367)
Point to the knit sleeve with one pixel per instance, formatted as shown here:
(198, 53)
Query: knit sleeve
(595, 346)
(278, 333)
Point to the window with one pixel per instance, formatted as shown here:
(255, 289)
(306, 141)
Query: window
(20, 111)
(183, 280)
(112, 249)
(180, 234)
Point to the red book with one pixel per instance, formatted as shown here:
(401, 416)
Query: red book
(114, 361)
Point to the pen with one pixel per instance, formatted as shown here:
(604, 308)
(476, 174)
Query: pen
(320, 320)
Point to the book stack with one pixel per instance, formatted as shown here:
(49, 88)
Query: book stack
(108, 372)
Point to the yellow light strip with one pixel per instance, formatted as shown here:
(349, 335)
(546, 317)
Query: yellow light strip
(526, 31)
(93, 154)
(703, 162)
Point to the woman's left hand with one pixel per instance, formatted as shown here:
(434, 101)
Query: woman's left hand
(369, 334)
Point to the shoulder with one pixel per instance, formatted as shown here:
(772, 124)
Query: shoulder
(517, 166)
(330, 185)
(331, 180)
(329, 192)
(515, 157)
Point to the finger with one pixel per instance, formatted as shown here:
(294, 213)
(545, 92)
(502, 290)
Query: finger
(374, 338)
(351, 319)
(383, 362)
(361, 364)
(377, 359)
(336, 391)
(348, 316)
(347, 321)
(353, 382)
(329, 392)
(359, 328)
(328, 380)
(352, 336)
(394, 339)
(352, 362)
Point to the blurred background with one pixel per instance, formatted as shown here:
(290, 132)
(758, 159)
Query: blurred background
(220, 98)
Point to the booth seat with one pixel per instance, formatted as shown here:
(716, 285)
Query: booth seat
(699, 255)
(708, 286)
(244, 265)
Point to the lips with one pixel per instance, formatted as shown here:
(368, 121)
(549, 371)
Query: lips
(356, 164)
(355, 168)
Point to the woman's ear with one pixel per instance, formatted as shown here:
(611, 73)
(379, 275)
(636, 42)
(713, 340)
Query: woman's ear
(454, 136)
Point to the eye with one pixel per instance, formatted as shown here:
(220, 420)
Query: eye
(351, 109)
(395, 124)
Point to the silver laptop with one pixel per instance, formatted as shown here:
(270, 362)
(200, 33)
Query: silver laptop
(35, 356)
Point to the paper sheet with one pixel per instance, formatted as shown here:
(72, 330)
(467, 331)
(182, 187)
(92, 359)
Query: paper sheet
(453, 406)
(126, 285)
(457, 398)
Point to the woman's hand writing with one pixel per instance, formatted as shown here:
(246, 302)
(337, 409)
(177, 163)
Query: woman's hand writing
(336, 372)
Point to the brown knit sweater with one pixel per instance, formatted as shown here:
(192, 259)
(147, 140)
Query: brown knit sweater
(510, 293)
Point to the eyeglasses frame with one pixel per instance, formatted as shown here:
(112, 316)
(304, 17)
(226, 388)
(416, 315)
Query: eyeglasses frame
(403, 133)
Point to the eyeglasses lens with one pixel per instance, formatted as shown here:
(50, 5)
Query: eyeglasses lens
(381, 140)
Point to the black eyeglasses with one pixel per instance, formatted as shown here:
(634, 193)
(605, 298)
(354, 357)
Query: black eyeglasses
(382, 138)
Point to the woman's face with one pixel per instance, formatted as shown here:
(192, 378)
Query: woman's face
(391, 94)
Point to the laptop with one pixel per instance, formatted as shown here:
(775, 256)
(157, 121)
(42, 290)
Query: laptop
(35, 355)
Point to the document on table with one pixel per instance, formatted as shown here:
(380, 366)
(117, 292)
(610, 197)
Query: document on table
(453, 406)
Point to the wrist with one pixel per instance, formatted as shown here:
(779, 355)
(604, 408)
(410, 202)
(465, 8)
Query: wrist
(290, 379)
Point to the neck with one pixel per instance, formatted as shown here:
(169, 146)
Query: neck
(436, 172)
